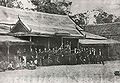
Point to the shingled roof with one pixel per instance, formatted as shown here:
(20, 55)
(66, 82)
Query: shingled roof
(93, 36)
(39, 22)
(10, 40)
(110, 29)
(43, 23)
(5, 29)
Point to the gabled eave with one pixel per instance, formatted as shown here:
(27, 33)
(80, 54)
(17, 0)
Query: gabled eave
(23, 24)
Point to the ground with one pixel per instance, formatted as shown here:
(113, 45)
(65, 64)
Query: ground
(92, 73)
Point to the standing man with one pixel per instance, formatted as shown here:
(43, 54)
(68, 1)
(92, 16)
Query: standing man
(101, 56)
(39, 58)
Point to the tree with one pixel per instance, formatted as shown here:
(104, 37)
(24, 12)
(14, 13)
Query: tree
(50, 7)
(117, 19)
(103, 17)
(6, 3)
(97, 16)
(80, 19)
(11, 3)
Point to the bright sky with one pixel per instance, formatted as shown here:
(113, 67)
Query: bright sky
(26, 3)
(111, 6)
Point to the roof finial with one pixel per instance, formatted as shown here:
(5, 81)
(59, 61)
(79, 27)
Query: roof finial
(18, 16)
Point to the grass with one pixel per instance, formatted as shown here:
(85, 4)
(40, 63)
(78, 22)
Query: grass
(92, 73)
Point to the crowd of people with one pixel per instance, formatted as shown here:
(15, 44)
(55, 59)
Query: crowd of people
(61, 56)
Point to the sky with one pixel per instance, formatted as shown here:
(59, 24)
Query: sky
(111, 6)
(78, 6)
(27, 4)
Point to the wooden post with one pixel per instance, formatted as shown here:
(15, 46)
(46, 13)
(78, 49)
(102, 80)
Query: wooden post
(8, 53)
(108, 52)
(61, 41)
(48, 43)
(70, 46)
(30, 41)
(78, 44)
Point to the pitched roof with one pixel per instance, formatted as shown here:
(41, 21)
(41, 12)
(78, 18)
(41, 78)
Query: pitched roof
(92, 36)
(4, 39)
(109, 29)
(38, 21)
(43, 23)
(4, 29)
(51, 28)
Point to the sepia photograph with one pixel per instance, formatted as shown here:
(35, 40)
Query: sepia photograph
(59, 41)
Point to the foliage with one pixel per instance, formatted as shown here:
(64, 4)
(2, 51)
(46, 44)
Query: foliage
(100, 17)
(117, 19)
(6, 3)
(103, 17)
(80, 19)
(10, 3)
(50, 7)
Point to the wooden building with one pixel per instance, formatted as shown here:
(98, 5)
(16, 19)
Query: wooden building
(110, 31)
(49, 31)
(45, 30)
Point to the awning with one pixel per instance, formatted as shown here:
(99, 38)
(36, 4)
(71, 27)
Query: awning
(10, 40)
(92, 36)
(92, 42)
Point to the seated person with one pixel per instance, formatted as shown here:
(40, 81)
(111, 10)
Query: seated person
(10, 66)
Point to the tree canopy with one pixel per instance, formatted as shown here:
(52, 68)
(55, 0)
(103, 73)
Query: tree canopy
(80, 19)
(103, 17)
(48, 6)
(100, 17)
(63, 8)
(10, 3)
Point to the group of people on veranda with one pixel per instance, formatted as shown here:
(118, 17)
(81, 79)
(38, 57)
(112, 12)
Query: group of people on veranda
(61, 56)
(64, 56)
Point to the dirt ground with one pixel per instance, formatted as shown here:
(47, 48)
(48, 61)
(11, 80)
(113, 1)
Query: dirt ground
(92, 73)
